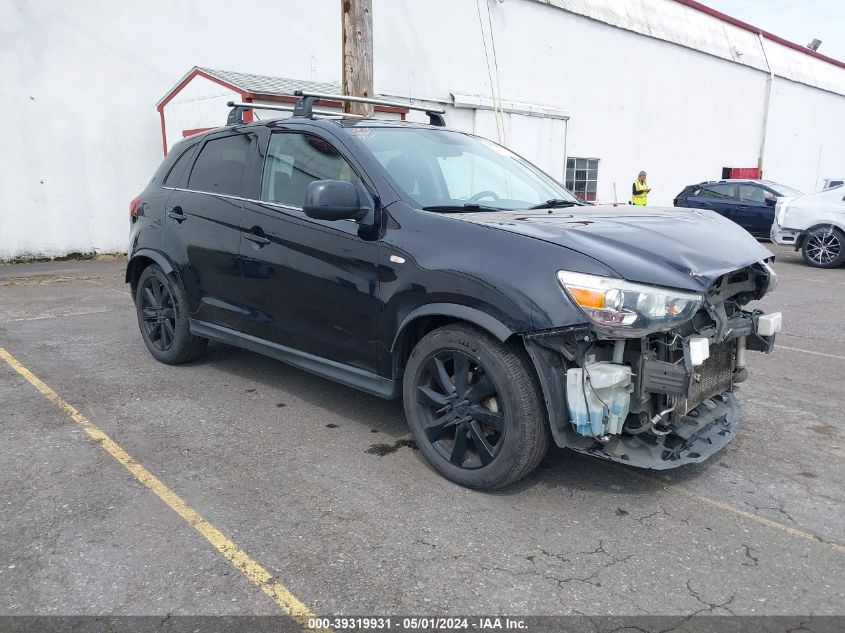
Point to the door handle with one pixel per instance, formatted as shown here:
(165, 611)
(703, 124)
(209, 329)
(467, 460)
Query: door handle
(177, 214)
(742, 207)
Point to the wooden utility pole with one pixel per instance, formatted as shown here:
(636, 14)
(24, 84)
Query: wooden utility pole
(356, 19)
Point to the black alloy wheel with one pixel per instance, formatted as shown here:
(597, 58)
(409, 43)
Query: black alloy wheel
(460, 409)
(162, 312)
(475, 407)
(158, 313)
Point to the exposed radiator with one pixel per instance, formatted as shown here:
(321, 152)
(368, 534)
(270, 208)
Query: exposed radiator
(713, 377)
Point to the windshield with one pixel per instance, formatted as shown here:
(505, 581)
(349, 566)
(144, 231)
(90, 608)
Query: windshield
(442, 170)
(783, 190)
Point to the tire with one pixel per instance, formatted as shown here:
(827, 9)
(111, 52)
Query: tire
(162, 312)
(824, 247)
(485, 430)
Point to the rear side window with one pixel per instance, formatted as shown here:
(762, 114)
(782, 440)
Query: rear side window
(219, 168)
(720, 192)
(174, 176)
(296, 160)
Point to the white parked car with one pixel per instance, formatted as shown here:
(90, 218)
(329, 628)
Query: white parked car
(814, 223)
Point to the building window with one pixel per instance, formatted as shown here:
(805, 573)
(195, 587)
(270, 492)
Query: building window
(582, 176)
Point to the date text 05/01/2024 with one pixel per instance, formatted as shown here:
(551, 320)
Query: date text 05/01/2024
(493, 623)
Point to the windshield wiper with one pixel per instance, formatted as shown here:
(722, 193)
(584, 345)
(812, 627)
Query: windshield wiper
(556, 203)
(459, 208)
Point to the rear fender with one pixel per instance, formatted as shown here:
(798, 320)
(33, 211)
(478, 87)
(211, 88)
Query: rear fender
(142, 255)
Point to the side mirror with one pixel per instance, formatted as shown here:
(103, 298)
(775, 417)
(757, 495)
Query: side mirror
(771, 201)
(335, 200)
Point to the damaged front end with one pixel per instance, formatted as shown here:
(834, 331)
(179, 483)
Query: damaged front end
(650, 380)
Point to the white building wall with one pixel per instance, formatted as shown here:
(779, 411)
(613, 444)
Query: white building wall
(82, 79)
(78, 86)
(806, 136)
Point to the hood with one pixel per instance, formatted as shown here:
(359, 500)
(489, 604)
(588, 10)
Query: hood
(677, 248)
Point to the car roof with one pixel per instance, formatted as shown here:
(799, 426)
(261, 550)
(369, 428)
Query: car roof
(751, 181)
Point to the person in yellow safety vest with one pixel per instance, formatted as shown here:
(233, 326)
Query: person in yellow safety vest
(639, 191)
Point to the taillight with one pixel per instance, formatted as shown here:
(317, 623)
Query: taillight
(133, 207)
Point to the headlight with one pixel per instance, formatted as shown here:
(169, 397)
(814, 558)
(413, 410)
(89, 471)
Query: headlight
(627, 308)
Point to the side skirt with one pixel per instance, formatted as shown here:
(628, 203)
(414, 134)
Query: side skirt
(338, 372)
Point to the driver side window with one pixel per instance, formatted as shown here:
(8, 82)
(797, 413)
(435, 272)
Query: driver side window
(295, 160)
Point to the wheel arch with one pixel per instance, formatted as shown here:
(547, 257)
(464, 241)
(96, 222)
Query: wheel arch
(424, 319)
(140, 260)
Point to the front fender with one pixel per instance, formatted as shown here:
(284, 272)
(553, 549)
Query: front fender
(465, 313)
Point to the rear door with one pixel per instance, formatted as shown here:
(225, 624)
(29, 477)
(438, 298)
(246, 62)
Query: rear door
(310, 285)
(753, 213)
(203, 229)
(720, 198)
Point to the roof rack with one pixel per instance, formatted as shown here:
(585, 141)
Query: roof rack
(304, 107)
(236, 114)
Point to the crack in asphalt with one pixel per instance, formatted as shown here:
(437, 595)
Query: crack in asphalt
(773, 508)
(568, 557)
(752, 560)
(660, 511)
(708, 606)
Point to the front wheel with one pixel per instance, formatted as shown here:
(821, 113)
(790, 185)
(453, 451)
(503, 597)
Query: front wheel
(163, 318)
(474, 408)
(824, 247)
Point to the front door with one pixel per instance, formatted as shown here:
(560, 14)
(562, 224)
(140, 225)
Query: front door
(311, 285)
(203, 230)
(753, 213)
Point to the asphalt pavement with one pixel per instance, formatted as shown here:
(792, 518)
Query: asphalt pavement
(322, 487)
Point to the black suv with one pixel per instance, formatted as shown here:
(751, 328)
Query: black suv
(749, 203)
(408, 260)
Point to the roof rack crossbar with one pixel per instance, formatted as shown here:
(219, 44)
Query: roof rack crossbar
(238, 108)
(307, 99)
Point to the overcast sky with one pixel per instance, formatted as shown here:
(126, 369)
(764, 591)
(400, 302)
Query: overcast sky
(796, 20)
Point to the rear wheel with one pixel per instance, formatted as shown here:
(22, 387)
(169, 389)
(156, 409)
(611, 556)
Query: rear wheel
(474, 408)
(824, 247)
(162, 316)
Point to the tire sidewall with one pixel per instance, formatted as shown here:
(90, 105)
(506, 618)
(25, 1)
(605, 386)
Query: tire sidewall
(506, 461)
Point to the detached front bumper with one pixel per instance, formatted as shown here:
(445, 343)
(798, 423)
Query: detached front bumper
(703, 431)
(785, 236)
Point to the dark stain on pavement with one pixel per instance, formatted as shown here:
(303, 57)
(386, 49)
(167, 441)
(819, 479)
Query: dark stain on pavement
(386, 449)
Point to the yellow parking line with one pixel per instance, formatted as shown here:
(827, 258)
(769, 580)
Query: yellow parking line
(807, 351)
(42, 317)
(804, 534)
(248, 566)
